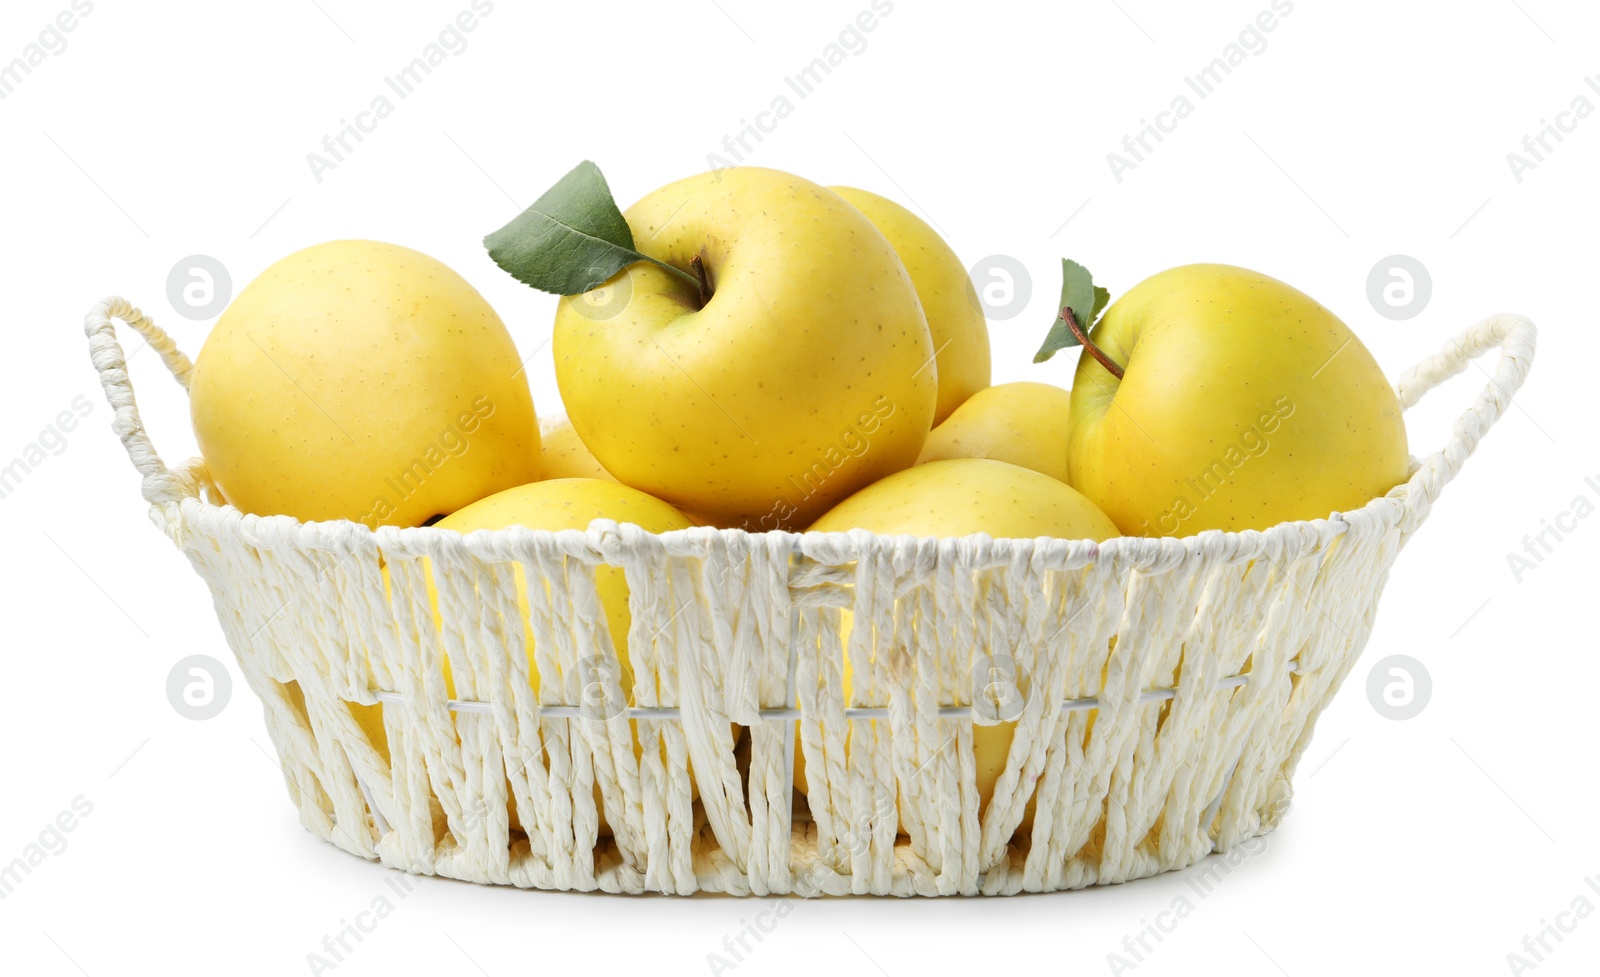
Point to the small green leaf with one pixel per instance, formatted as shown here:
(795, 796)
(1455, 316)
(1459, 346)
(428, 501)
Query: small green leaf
(572, 239)
(1086, 300)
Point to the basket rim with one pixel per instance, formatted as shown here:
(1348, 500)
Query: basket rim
(270, 532)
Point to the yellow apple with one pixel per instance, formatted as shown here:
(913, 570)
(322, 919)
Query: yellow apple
(803, 377)
(1021, 423)
(1244, 404)
(370, 719)
(955, 317)
(562, 454)
(364, 381)
(961, 497)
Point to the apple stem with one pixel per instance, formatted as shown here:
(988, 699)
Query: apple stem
(693, 281)
(702, 279)
(1095, 351)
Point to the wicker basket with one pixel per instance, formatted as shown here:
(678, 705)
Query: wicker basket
(1162, 690)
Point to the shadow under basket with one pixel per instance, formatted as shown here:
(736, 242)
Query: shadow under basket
(1162, 690)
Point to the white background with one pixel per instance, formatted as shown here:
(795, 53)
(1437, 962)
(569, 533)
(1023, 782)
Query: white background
(1363, 129)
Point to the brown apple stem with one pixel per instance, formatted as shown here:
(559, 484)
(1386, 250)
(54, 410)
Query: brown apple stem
(703, 276)
(1093, 350)
(692, 281)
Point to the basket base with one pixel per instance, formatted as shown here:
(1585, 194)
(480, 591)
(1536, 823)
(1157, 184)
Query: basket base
(908, 876)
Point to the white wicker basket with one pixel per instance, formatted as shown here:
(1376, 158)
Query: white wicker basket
(1169, 686)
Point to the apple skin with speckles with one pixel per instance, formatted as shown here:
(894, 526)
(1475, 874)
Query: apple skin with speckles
(364, 381)
(1022, 423)
(1244, 403)
(562, 454)
(807, 374)
(955, 316)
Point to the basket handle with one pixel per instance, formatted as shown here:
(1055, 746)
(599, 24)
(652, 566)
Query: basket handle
(1515, 336)
(161, 486)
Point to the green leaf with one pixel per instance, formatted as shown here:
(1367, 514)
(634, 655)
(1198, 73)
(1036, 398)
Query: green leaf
(572, 239)
(1086, 300)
